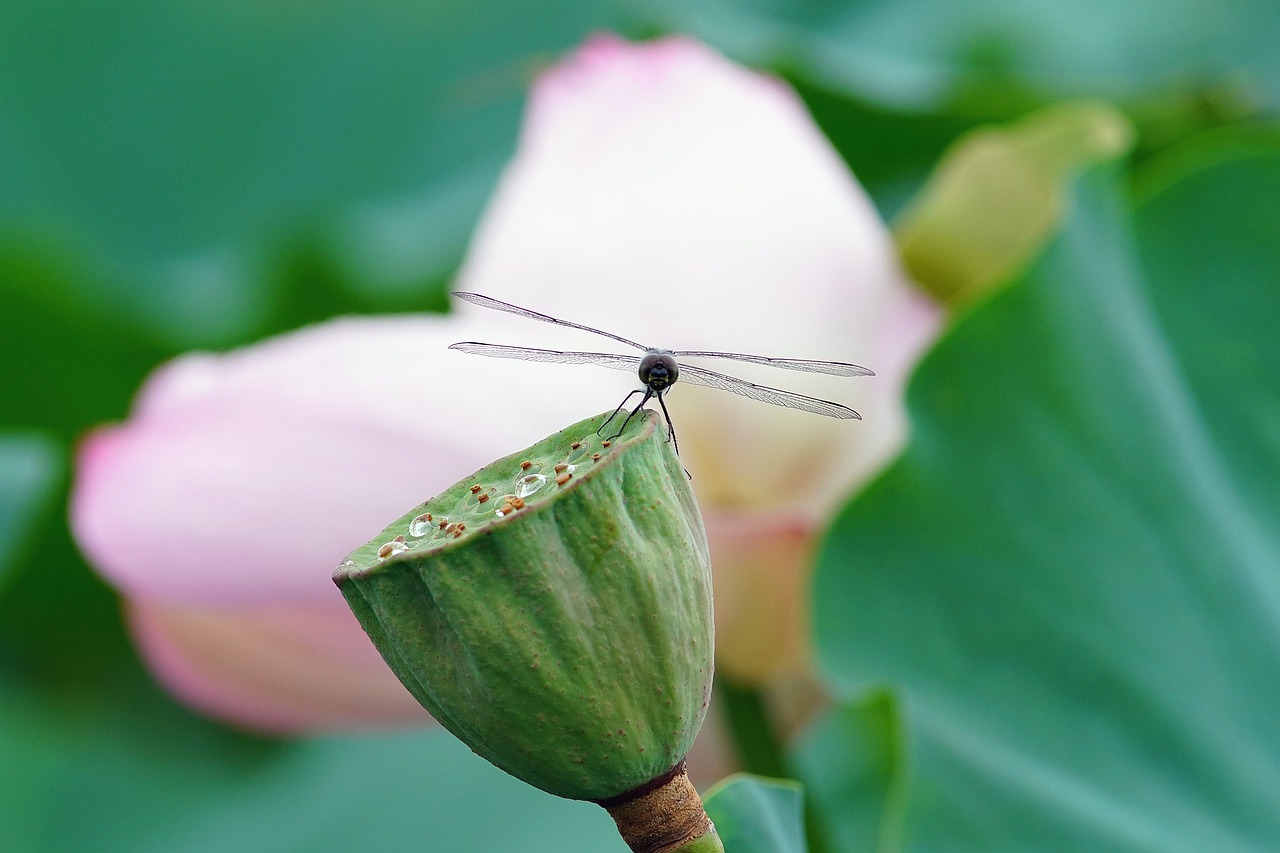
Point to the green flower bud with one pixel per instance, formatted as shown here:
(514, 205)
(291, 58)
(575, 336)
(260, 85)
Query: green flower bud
(553, 611)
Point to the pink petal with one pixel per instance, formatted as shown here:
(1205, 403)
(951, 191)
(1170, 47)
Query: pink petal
(761, 562)
(241, 480)
(245, 478)
(272, 668)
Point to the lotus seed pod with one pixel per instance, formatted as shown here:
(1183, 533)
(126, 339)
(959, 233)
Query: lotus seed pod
(554, 612)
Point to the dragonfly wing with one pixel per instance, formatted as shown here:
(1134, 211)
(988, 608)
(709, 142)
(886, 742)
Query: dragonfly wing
(604, 359)
(833, 368)
(498, 305)
(778, 397)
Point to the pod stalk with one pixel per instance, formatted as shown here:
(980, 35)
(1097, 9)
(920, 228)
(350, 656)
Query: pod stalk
(664, 815)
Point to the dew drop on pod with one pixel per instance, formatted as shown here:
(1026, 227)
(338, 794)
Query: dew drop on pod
(553, 611)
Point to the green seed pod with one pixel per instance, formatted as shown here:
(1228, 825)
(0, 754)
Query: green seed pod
(553, 611)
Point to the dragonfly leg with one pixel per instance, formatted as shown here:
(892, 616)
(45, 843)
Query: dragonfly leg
(671, 431)
(648, 392)
(609, 419)
(671, 428)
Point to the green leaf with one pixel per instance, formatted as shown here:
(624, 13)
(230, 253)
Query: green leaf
(104, 779)
(1001, 54)
(174, 160)
(757, 815)
(30, 469)
(1071, 577)
(852, 763)
(997, 196)
(63, 369)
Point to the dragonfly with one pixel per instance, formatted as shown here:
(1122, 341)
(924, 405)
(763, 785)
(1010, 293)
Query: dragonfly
(659, 369)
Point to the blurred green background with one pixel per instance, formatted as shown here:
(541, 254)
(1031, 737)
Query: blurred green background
(175, 176)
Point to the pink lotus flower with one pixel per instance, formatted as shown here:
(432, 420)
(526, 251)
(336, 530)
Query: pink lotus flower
(659, 191)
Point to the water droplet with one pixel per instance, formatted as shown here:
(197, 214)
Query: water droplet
(528, 484)
(578, 451)
(392, 547)
(421, 525)
(347, 564)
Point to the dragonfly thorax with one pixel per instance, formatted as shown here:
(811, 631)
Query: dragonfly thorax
(658, 369)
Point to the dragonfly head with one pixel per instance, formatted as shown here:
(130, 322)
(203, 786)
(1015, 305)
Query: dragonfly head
(658, 369)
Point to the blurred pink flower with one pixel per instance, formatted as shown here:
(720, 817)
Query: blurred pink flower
(659, 191)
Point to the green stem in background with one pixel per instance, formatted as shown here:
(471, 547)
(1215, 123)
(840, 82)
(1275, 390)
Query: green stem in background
(757, 745)
(758, 748)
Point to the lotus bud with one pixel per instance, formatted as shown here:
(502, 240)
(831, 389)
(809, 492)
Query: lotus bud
(553, 611)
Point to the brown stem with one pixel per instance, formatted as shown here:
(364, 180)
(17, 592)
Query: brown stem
(660, 816)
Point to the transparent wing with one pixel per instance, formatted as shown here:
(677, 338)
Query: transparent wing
(604, 359)
(701, 376)
(499, 305)
(833, 368)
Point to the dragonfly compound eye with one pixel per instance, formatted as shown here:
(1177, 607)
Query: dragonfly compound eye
(658, 370)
